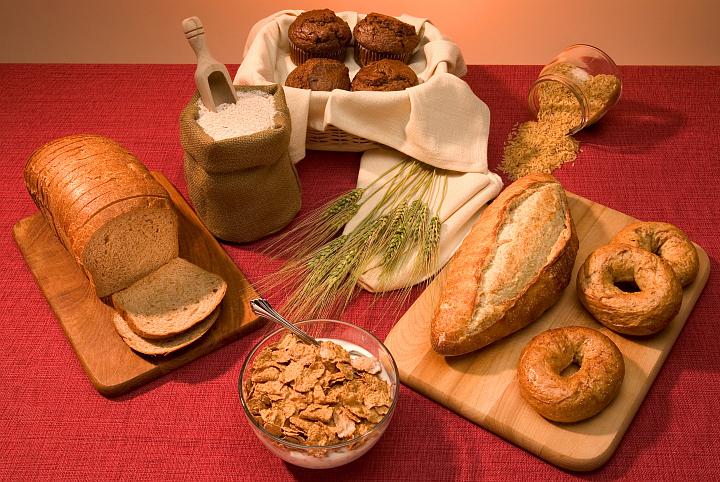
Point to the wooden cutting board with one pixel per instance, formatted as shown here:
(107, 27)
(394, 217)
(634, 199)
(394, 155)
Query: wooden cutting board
(482, 386)
(113, 368)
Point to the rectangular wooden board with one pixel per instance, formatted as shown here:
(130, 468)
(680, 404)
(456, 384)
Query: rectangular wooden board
(113, 368)
(483, 388)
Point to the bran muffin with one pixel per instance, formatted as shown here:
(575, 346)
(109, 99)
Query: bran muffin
(318, 33)
(379, 36)
(319, 74)
(384, 75)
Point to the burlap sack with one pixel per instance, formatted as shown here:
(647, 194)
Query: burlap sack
(242, 188)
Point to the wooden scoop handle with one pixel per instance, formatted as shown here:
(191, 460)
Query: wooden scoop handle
(195, 35)
(211, 77)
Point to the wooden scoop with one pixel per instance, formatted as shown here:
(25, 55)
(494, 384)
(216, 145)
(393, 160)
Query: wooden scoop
(211, 77)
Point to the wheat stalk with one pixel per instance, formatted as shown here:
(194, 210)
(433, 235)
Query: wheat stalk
(347, 199)
(318, 289)
(317, 228)
(432, 239)
(371, 243)
(398, 232)
(341, 269)
(417, 222)
(334, 270)
(326, 251)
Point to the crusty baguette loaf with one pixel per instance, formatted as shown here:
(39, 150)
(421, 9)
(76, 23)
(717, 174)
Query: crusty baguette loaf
(511, 267)
(166, 345)
(108, 211)
(170, 300)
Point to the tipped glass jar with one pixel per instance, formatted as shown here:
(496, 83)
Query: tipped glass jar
(576, 88)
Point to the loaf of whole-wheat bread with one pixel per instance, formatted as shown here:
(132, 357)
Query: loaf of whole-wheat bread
(512, 266)
(105, 207)
(170, 300)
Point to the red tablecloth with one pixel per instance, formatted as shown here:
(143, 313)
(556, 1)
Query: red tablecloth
(655, 156)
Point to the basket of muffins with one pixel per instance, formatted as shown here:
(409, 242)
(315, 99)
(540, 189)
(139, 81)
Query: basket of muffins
(382, 46)
(326, 54)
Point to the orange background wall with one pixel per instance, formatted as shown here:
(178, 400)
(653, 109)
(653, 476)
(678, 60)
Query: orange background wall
(488, 31)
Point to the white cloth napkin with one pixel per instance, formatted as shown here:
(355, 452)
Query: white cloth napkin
(439, 122)
(466, 195)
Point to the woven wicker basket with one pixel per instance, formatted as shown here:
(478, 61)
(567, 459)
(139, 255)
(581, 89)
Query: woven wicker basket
(334, 139)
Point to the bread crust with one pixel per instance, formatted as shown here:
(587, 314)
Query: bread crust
(166, 345)
(668, 242)
(640, 313)
(453, 331)
(580, 395)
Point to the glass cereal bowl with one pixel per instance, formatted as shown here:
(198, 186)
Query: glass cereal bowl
(281, 436)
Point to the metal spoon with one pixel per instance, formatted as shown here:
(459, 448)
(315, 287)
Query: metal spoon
(262, 307)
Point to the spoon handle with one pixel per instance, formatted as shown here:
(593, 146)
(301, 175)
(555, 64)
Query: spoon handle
(211, 77)
(195, 35)
(261, 307)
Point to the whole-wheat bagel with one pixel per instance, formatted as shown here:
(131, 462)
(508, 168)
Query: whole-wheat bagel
(632, 313)
(668, 242)
(574, 397)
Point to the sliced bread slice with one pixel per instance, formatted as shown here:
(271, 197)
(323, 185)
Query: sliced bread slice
(170, 300)
(167, 345)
